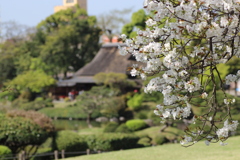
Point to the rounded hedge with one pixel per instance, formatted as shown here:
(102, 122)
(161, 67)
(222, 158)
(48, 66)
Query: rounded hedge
(136, 124)
(69, 141)
(123, 129)
(145, 141)
(112, 141)
(135, 103)
(17, 132)
(160, 139)
(5, 152)
(111, 127)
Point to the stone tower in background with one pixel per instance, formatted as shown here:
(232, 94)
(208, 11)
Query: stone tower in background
(71, 3)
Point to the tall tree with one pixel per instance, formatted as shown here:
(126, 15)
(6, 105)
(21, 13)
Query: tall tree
(137, 22)
(72, 39)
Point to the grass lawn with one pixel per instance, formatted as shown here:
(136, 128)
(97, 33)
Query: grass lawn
(174, 152)
(63, 104)
(88, 131)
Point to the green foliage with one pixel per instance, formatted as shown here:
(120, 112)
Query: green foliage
(142, 114)
(136, 124)
(7, 55)
(114, 80)
(123, 129)
(137, 21)
(223, 72)
(112, 141)
(111, 127)
(90, 101)
(145, 141)
(233, 65)
(156, 97)
(135, 103)
(37, 104)
(20, 129)
(64, 124)
(25, 94)
(70, 141)
(34, 80)
(71, 39)
(9, 95)
(199, 105)
(139, 18)
(5, 152)
(40, 152)
(100, 99)
(68, 112)
(160, 139)
(113, 106)
(128, 29)
(171, 133)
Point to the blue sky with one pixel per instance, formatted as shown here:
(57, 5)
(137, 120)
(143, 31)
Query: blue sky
(31, 12)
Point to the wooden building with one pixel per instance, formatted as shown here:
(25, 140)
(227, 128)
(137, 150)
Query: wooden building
(107, 60)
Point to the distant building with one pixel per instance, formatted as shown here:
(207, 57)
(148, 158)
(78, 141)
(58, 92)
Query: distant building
(107, 60)
(70, 3)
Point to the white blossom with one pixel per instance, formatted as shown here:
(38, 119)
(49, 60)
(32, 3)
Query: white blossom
(230, 78)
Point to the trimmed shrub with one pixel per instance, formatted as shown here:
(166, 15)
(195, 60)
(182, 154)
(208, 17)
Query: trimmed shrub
(112, 141)
(160, 139)
(136, 124)
(123, 129)
(145, 141)
(68, 112)
(143, 114)
(111, 127)
(63, 124)
(37, 104)
(135, 103)
(5, 152)
(20, 129)
(69, 141)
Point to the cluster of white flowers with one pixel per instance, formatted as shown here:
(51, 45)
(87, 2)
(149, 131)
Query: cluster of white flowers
(232, 78)
(175, 113)
(186, 140)
(223, 132)
(229, 101)
(182, 40)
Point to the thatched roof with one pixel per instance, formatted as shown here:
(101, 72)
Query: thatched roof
(107, 60)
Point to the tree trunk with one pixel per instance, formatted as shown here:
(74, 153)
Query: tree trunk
(65, 75)
(89, 120)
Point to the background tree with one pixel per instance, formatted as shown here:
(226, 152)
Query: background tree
(93, 101)
(115, 81)
(137, 22)
(8, 55)
(71, 40)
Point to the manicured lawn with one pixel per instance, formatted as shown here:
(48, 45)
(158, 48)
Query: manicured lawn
(88, 131)
(63, 104)
(174, 152)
